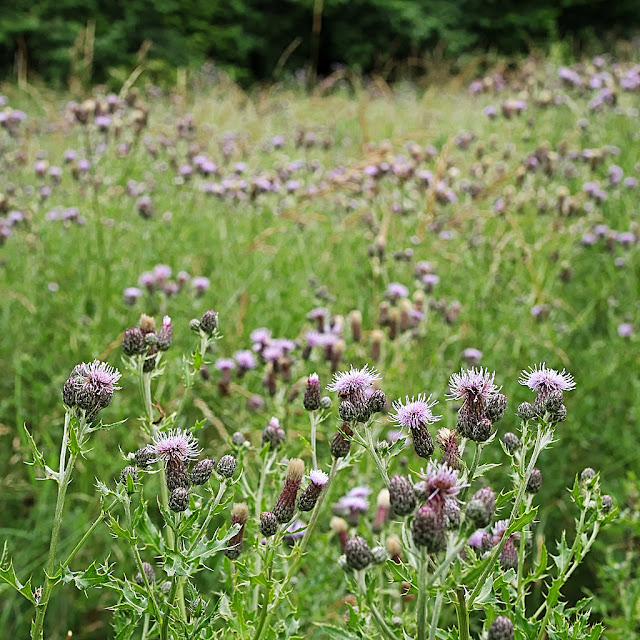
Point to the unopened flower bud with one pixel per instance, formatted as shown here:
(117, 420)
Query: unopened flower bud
(481, 507)
(422, 491)
(560, 415)
(177, 474)
(427, 529)
(268, 524)
(201, 473)
(379, 555)
(511, 442)
(343, 564)
(535, 481)
(69, 391)
(341, 445)
(148, 572)
(423, 443)
(238, 439)
(325, 402)
(209, 321)
(401, 495)
(496, 407)
(501, 629)
(377, 401)
(194, 325)
(165, 335)
(358, 553)
(482, 430)
(226, 466)
(553, 401)
(179, 499)
(587, 475)
(509, 555)
(526, 411)
(347, 411)
(133, 342)
(312, 394)
(607, 503)
(131, 471)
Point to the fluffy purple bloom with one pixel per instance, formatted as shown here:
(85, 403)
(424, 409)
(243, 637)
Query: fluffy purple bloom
(396, 290)
(225, 364)
(353, 381)
(200, 284)
(544, 380)
(472, 355)
(318, 478)
(625, 330)
(261, 335)
(175, 445)
(415, 413)
(245, 359)
(161, 272)
(472, 385)
(131, 294)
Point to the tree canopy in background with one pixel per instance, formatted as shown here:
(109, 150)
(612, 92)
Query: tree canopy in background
(252, 39)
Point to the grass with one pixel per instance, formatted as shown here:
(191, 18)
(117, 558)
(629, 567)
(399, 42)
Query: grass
(268, 259)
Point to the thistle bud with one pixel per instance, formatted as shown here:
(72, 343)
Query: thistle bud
(268, 524)
(448, 442)
(511, 442)
(587, 476)
(526, 411)
(194, 325)
(309, 496)
(427, 529)
(509, 555)
(128, 471)
(312, 394)
(209, 322)
(165, 335)
(481, 507)
(401, 496)
(340, 527)
(149, 363)
(607, 503)
(239, 515)
(273, 434)
(179, 499)
(358, 553)
(379, 555)
(341, 445)
(553, 401)
(377, 401)
(422, 491)
(535, 481)
(226, 466)
(422, 441)
(482, 430)
(501, 629)
(325, 402)
(347, 411)
(148, 572)
(285, 504)
(201, 473)
(496, 407)
(133, 342)
(177, 474)
(560, 415)
(69, 391)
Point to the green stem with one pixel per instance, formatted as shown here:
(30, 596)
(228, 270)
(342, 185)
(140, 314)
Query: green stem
(514, 512)
(463, 615)
(521, 552)
(472, 469)
(164, 629)
(421, 608)
(313, 418)
(435, 616)
(263, 476)
(382, 625)
(64, 478)
(374, 454)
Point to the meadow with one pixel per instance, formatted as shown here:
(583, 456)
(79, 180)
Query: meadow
(490, 222)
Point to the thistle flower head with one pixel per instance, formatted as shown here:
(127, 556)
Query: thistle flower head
(318, 478)
(175, 445)
(472, 385)
(354, 380)
(544, 380)
(442, 487)
(92, 386)
(414, 414)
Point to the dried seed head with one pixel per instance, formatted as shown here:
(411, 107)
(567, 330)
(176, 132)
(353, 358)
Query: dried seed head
(147, 324)
(338, 525)
(239, 515)
(394, 546)
(201, 473)
(179, 499)
(226, 466)
(401, 495)
(358, 553)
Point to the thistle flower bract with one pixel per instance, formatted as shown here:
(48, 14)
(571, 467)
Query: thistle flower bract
(501, 629)
(358, 553)
(309, 496)
(285, 504)
(476, 388)
(312, 393)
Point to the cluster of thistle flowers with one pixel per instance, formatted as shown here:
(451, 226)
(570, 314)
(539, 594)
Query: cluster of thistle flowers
(144, 340)
(89, 388)
(177, 449)
(159, 281)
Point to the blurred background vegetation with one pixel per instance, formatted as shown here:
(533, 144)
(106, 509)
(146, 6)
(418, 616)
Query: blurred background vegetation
(255, 40)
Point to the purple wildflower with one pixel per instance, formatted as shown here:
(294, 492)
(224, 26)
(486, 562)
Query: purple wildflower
(414, 414)
(175, 445)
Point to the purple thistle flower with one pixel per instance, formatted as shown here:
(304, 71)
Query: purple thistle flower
(261, 335)
(442, 487)
(396, 290)
(175, 445)
(472, 385)
(225, 364)
(353, 381)
(200, 284)
(414, 414)
(544, 380)
(161, 272)
(625, 330)
(131, 294)
(245, 359)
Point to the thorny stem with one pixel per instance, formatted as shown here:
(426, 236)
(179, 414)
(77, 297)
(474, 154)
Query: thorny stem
(64, 478)
(377, 616)
(521, 549)
(370, 446)
(421, 608)
(514, 512)
(472, 470)
(313, 418)
(264, 471)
